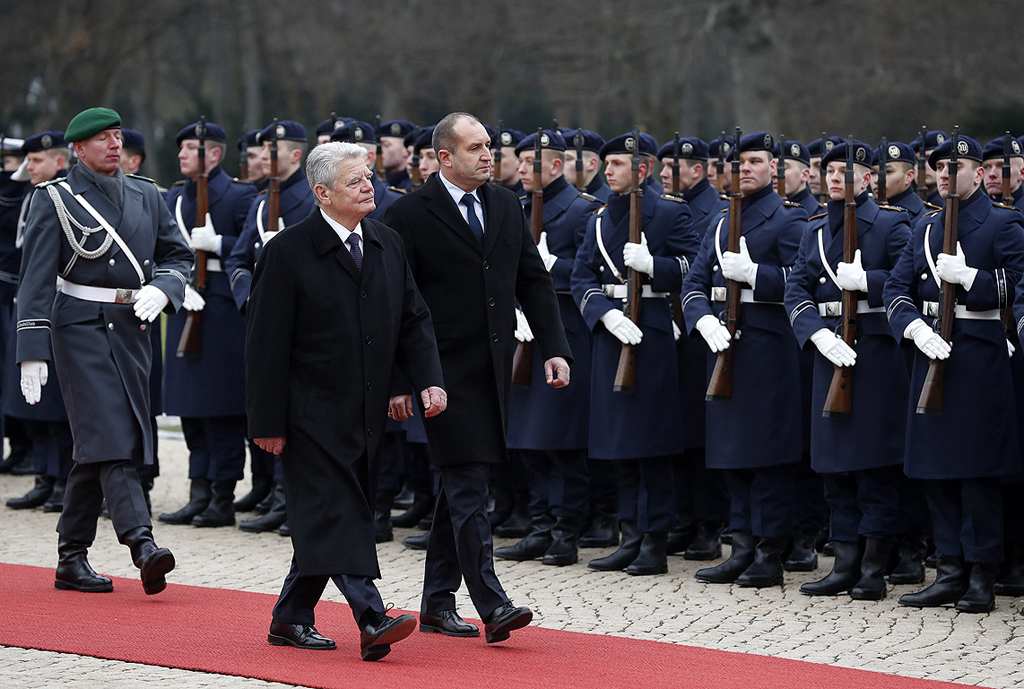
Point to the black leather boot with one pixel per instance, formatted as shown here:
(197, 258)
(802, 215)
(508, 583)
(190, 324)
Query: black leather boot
(871, 585)
(766, 569)
(382, 531)
(199, 495)
(628, 550)
(534, 545)
(221, 509)
(422, 505)
(980, 596)
(262, 486)
(1011, 583)
(844, 575)
(517, 525)
(604, 528)
(19, 453)
(273, 519)
(708, 543)
(740, 558)
(680, 538)
(74, 572)
(564, 535)
(404, 498)
(910, 552)
(803, 556)
(950, 585)
(37, 496)
(653, 557)
(267, 503)
(153, 562)
(55, 503)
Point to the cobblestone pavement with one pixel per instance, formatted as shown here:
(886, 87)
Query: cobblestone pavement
(939, 644)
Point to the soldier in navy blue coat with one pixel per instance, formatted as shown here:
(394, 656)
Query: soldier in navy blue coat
(208, 390)
(798, 176)
(391, 135)
(702, 504)
(296, 203)
(756, 434)
(324, 129)
(361, 133)
(932, 139)
(900, 172)
(962, 452)
(860, 454)
(549, 428)
(642, 431)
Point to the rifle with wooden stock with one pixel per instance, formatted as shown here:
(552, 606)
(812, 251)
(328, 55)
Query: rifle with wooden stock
(780, 170)
(883, 194)
(414, 174)
(930, 401)
(625, 373)
(378, 161)
(822, 182)
(674, 301)
(720, 164)
(922, 160)
(675, 165)
(839, 400)
(190, 343)
(497, 157)
(720, 385)
(578, 142)
(273, 186)
(1008, 319)
(522, 360)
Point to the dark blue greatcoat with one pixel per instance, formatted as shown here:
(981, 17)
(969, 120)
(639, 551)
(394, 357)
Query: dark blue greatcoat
(806, 199)
(873, 434)
(976, 433)
(760, 425)
(913, 204)
(649, 422)
(212, 383)
(540, 417)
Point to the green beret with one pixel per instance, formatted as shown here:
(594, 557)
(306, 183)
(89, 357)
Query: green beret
(91, 122)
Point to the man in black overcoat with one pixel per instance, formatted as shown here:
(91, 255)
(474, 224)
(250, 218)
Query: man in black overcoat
(333, 310)
(472, 255)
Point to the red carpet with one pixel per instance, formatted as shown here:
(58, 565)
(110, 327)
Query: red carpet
(223, 631)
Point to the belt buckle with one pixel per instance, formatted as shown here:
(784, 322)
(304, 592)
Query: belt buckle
(123, 296)
(931, 309)
(718, 293)
(832, 309)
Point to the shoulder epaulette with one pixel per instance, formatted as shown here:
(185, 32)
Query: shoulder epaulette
(670, 197)
(588, 197)
(816, 217)
(178, 183)
(141, 178)
(522, 199)
(43, 185)
(398, 190)
(1003, 205)
(239, 181)
(262, 192)
(932, 205)
(887, 207)
(791, 204)
(600, 210)
(821, 205)
(934, 212)
(722, 195)
(724, 210)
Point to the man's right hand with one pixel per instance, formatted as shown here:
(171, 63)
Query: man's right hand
(274, 446)
(34, 375)
(400, 407)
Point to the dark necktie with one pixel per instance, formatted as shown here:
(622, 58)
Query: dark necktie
(357, 254)
(474, 222)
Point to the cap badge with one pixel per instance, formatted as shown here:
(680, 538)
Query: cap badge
(894, 151)
(506, 139)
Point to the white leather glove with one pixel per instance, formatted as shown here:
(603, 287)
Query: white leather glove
(205, 238)
(149, 302)
(34, 375)
(193, 300)
(676, 332)
(851, 276)
(638, 256)
(523, 331)
(280, 223)
(1010, 348)
(545, 253)
(739, 267)
(625, 330)
(954, 269)
(927, 340)
(833, 348)
(714, 333)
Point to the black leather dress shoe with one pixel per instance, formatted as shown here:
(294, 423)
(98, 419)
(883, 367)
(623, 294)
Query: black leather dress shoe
(300, 636)
(506, 619)
(447, 622)
(376, 637)
(418, 542)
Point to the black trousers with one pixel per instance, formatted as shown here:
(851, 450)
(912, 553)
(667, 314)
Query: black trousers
(51, 447)
(216, 447)
(647, 493)
(300, 594)
(701, 495)
(967, 518)
(88, 484)
(559, 482)
(460, 546)
(761, 500)
(864, 503)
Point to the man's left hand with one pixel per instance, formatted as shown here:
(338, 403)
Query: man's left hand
(556, 371)
(435, 401)
(149, 302)
(400, 407)
(274, 446)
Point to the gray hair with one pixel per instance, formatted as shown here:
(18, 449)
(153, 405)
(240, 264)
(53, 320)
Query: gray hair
(322, 162)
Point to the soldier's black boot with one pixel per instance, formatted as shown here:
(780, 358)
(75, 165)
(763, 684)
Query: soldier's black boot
(628, 550)
(153, 562)
(740, 558)
(55, 503)
(199, 495)
(950, 585)
(910, 552)
(518, 524)
(653, 557)
(19, 453)
(563, 549)
(267, 503)
(766, 569)
(1012, 581)
(273, 519)
(871, 585)
(680, 537)
(422, 505)
(382, 531)
(604, 528)
(803, 557)
(37, 496)
(261, 488)
(221, 509)
(707, 545)
(74, 572)
(844, 575)
(980, 596)
(534, 545)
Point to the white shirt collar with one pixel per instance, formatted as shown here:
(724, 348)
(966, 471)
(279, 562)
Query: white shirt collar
(456, 192)
(343, 231)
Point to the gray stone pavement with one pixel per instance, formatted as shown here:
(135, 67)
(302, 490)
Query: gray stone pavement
(940, 644)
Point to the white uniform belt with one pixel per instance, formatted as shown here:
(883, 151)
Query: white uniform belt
(746, 296)
(213, 265)
(621, 292)
(108, 295)
(828, 309)
(932, 308)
